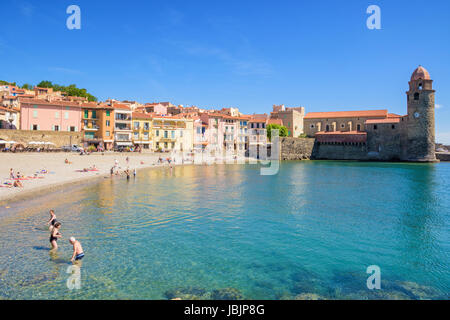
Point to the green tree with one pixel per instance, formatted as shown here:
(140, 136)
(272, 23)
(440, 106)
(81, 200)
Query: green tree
(70, 90)
(282, 130)
(27, 86)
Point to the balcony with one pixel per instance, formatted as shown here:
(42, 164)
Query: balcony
(91, 128)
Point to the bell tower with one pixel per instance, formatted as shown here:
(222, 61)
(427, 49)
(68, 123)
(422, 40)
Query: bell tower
(420, 120)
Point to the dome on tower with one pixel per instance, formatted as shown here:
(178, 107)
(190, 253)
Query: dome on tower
(420, 73)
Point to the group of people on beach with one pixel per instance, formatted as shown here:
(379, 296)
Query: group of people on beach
(55, 234)
(115, 169)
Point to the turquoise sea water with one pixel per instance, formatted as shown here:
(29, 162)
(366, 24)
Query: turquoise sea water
(191, 232)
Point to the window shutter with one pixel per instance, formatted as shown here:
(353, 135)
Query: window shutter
(53, 128)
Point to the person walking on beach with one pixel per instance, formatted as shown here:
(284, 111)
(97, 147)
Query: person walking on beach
(52, 220)
(54, 235)
(11, 173)
(134, 172)
(128, 160)
(78, 253)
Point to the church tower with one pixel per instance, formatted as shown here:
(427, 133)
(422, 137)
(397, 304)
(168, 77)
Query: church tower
(420, 120)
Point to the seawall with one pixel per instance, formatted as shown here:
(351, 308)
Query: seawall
(59, 138)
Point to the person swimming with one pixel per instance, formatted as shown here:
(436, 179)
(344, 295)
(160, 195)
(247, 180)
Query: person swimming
(54, 235)
(52, 220)
(78, 252)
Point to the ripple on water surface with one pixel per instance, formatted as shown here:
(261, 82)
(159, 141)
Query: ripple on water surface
(225, 231)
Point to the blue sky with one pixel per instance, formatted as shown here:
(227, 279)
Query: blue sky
(247, 54)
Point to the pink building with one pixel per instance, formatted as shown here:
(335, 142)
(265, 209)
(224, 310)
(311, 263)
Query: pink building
(47, 115)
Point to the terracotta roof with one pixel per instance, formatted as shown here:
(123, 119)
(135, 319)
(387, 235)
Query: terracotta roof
(49, 103)
(94, 105)
(140, 115)
(275, 121)
(341, 133)
(341, 136)
(121, 106)
(420, 73)
(387, 120)
(347, 114)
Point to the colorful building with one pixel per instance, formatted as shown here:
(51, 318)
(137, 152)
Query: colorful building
(122, 125)
(173, 133)
(142, 130)
(98, 125)
(48, 115)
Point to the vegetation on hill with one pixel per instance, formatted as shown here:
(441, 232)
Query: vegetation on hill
(71, 90)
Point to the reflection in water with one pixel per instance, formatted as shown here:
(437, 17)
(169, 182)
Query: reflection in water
(226, 231)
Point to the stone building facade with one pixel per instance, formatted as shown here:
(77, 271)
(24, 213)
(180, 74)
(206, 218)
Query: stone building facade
(378, 135)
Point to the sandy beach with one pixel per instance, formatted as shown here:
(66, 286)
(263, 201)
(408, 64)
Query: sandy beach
(58, 172)
(33, 165)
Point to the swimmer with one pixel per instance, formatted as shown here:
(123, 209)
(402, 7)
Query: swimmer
(78, 253)
(54, 235)
(52, 220)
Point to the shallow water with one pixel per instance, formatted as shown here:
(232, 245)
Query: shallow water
(313, 228)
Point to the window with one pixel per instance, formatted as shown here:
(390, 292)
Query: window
(89, 135)
(145, 135)
(66, 115)
(327, 128)
(157, 133)
(199, 130)
(165, 145)
(35, 114)
(86, 113)
(72, 129)
(108, 133)
(108, 113)
(393, 126)
(166, 134)
(146, 126)
(173, 134)
(136, 135)
(416, 96)
(181, 134)
(35, 127)
(420, 86)
(375, 127)
(56, 128)
(136, 125)
(358, 127)
(94, 114)
(108, 123)
(342, 125)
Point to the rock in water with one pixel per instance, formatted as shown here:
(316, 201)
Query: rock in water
(226, 294)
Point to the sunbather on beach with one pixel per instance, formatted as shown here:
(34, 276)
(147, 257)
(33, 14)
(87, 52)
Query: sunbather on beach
(54, 235)
(18, 184)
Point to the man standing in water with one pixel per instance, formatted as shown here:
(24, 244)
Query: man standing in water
(78, 253)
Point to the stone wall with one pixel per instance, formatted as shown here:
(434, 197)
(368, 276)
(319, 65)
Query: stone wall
(443, 156)
(296, 148)
(340, 151)
(59, 138)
